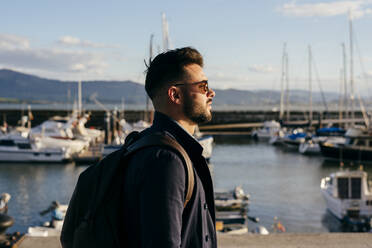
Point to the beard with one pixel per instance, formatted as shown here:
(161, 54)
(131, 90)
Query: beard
(196, 112)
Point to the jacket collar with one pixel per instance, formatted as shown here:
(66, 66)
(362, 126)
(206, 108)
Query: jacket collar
(163, 122)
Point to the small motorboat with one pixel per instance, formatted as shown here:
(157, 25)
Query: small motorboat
(269, 129)
(348, 197)
(295, 138)
(311, 146)
(235, 200)
(232, 208)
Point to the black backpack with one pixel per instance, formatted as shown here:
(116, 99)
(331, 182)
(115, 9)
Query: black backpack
(85, 224)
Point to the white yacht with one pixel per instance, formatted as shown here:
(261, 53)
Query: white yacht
(348, 196)
(15, 148)
(269, 129)
(59, 134)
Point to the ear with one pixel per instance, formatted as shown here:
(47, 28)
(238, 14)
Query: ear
(174, 95)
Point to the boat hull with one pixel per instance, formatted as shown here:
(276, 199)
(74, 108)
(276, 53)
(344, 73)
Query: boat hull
(346, 153)
(33, 156)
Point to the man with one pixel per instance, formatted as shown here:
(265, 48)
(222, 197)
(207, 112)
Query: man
(146, 203)
(155, 182)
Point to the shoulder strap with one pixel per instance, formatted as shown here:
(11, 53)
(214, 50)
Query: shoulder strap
(158, 139)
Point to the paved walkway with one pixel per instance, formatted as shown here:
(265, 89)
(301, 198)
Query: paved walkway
(327, 240)
(298, 240)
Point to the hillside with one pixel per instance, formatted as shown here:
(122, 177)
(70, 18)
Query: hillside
(16, 86)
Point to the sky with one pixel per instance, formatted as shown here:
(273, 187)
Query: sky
(241, 40)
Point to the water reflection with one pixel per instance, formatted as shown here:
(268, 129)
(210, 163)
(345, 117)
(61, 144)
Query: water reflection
(33, 187)
(281, 182)
(330, 222)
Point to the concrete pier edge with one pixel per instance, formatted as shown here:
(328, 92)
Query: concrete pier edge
(287, 240)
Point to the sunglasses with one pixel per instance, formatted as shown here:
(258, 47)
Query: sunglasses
(203, 86)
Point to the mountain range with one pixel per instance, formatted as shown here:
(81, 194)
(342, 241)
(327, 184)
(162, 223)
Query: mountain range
(19, 87)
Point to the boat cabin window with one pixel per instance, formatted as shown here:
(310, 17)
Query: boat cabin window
(356, 185)
(7, 143)
(343, 187)
(24, 146)
(349, 188)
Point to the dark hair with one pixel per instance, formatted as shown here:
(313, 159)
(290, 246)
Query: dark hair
(169, 66)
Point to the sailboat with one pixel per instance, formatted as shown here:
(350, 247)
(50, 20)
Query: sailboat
(358, 142)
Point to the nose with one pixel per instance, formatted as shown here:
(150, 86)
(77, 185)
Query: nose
(211, 93)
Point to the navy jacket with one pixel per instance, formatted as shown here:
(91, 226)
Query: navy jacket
(155, 188)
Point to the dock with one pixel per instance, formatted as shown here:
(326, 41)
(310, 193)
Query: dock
(90, 156)
(244, 120)
(286, 240)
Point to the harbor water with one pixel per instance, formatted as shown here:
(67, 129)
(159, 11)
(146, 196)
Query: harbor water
(281, 182)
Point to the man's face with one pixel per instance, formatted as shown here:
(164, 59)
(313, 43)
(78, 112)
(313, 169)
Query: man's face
(197, 100)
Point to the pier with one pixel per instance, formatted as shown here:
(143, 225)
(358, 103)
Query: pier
(290, 240)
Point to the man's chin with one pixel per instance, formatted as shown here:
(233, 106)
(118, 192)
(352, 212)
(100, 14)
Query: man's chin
(208, 117)
(202, 119)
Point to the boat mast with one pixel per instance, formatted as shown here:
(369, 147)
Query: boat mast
(165, 28)
(310, 90)
(281, 113)
(30, 116)
(287, 85)
(122, 115)
(147, 97)
(341, 96)
(346, 102)
(352, 96)
(79, 99)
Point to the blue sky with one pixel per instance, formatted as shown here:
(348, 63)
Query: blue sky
(241, 40)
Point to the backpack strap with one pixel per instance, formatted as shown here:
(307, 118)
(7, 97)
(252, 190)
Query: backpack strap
(159, 139)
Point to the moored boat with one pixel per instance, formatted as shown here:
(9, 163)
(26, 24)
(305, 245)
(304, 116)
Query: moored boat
(357, 146)
(311, 146)
(348, 197)
(269, 129)
(295, 138)
(15, 148)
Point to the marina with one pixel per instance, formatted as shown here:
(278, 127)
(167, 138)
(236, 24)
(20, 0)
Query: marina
(291, 163)
(281, 183)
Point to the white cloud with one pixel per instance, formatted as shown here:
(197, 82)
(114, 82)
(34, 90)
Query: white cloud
(9, 41)
(358, 8)
(69, 40)
(261, 68)
(16, 52)
(73, 41)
